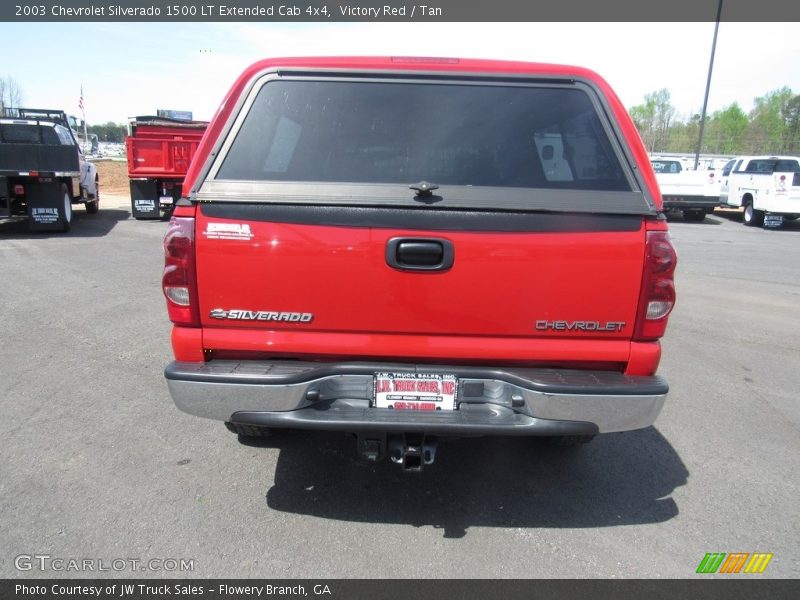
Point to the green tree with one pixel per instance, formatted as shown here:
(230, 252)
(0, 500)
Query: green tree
(643, 116)
(725, 131)
(768, 125)
(653, 119)
(791, 118)
(682, 134)
(110, 132)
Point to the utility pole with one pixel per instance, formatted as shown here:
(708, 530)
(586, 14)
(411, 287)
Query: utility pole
(708, 87)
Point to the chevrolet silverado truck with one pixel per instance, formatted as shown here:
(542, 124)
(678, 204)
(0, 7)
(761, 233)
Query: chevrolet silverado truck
(694, 193)
(766, 187)
(385, 247)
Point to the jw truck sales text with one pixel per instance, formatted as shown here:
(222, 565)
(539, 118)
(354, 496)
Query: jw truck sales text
(140, 589)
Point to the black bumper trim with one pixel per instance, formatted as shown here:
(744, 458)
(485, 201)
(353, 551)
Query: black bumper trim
(355, 420)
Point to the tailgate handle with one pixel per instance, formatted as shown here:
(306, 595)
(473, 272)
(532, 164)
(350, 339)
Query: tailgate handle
(419, 254)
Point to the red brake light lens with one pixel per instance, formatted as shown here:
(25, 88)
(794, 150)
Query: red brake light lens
(658, 288)
(179, 280)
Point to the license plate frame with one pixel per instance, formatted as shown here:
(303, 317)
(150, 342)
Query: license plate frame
(415, 391)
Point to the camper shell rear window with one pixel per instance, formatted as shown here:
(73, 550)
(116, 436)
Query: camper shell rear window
(461, 136)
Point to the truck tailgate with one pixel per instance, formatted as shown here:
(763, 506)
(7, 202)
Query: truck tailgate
(159, 156)
(512, 275)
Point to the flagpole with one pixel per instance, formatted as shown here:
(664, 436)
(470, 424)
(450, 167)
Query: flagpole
(85, 132)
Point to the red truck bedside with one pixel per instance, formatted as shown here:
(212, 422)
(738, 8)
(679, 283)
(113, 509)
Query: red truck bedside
(406, 248)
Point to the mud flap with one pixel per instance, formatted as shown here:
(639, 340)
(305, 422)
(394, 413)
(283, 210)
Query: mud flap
(144, 199)
(772, 221)
(45, 207)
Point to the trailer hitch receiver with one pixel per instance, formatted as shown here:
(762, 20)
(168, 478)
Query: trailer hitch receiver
(412, 451)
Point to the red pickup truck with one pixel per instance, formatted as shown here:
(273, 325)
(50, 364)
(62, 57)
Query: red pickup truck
(414, 248)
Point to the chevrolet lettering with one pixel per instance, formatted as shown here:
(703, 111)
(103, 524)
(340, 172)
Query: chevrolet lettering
(469, 248)
(545, 325)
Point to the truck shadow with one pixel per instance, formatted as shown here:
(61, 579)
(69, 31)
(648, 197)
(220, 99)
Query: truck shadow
(83, 225)
(709, 220)
(618, 479)
(735, 216)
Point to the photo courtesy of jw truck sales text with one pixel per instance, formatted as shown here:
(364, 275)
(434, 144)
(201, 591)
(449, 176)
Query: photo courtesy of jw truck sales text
(147, 590)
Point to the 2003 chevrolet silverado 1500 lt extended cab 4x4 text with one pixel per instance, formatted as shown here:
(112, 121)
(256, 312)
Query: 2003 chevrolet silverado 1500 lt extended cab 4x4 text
(378, 246)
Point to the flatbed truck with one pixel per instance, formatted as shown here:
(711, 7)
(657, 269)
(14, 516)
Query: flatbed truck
(43, 171)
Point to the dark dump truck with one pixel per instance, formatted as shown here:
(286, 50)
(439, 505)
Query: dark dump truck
(159, 151)
(43, 171)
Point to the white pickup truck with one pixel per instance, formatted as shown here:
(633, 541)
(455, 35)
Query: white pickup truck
(767, 187)
(694, 193)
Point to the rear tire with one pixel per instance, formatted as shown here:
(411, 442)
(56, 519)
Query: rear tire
(93, 206)
(66, 209)
(752, 217)
(695, 215)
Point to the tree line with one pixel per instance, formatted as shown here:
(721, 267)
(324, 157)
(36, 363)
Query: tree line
(10, 94)
(771, 127)
(110, 132)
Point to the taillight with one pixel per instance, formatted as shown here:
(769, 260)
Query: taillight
(658, 288)
(19, 190)
(179, 281)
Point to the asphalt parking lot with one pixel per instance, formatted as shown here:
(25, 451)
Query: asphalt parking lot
(98, 463)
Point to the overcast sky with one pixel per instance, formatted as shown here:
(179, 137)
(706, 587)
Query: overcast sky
(130, 69)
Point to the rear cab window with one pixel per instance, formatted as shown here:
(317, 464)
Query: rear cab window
(773, 165)
(535, 145)
(726, 170)
(667, 166)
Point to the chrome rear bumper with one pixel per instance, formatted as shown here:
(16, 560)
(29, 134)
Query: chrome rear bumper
(491, 401)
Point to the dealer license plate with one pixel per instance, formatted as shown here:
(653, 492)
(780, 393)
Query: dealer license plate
(415, 391)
